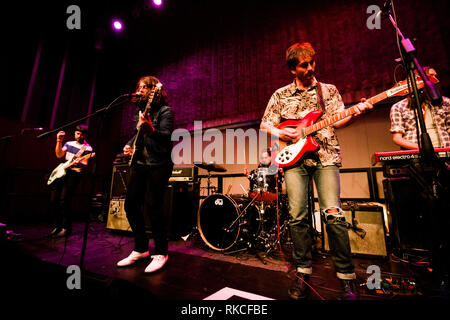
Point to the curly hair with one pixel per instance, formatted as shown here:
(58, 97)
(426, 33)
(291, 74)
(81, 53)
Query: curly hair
(160, 99)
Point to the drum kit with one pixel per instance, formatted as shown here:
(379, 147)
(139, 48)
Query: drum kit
(255, 220)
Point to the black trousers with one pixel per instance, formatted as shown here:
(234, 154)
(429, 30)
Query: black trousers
(61, 198)
(145, 197)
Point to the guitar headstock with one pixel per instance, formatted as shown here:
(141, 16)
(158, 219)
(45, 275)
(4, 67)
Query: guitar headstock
(402, 88)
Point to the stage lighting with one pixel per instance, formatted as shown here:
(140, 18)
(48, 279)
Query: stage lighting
(157, 2)
(117, 25)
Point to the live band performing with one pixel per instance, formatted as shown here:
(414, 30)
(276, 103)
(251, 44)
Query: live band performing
(264, 151)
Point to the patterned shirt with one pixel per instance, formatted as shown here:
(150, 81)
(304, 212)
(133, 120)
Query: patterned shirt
(292, 103)
(71, 148)
(403, 121)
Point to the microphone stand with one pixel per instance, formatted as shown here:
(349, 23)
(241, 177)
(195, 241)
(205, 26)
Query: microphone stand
(430, 172)
(96, 113)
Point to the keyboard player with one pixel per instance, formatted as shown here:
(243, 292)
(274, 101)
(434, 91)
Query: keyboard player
(437, 121)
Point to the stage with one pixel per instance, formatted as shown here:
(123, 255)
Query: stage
(194, 271)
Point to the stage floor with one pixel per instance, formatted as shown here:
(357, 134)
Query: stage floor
(194, 272)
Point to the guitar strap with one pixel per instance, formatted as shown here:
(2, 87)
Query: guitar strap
(80, 152)
(320, 97)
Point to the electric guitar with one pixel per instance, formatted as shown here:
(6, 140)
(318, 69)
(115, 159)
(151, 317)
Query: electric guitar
(137, 143)
(60, 170)
(286, 154)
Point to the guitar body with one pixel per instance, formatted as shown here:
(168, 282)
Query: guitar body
(58, 172)
(290, 153)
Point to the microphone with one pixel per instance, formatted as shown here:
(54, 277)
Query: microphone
(384, 12)
(132, 95)
(31, 129)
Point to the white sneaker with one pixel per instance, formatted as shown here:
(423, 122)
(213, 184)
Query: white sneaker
(157, 263)
(132, 258)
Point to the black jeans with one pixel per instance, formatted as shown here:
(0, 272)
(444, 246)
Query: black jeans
(145, 197)
(61, 199)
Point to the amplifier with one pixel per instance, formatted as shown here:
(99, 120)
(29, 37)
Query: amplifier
(188, 174)
(117, 218)
(366, 231)
(119, 181)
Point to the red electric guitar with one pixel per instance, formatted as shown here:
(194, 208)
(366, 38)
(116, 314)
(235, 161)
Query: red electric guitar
(286, 154)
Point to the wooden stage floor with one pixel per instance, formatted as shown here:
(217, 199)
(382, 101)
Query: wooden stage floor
(36, 265)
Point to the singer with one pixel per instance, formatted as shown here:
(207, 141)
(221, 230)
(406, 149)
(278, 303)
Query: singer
(150, 171)
(63, 188)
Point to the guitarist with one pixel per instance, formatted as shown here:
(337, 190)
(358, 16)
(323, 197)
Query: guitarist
(149, 174)
(293, 102)
(64, 187)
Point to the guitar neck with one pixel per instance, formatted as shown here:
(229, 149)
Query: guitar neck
(341, 115)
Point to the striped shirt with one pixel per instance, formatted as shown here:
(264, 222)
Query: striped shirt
(292, 103)
(71, 148)
(404, 122)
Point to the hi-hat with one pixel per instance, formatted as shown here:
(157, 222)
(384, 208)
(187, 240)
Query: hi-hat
(211, 167)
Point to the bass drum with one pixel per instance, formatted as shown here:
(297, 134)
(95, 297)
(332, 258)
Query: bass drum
(222, 220)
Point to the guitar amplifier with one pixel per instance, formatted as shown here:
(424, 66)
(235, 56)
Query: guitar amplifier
(117, 218)
(366, 232)
(184, 174)
(119, 181)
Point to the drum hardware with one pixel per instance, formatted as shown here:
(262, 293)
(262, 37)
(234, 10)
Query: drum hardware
(242, 213)
(210, 167)
(231, 221)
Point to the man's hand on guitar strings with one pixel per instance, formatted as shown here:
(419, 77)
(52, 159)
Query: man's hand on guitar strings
(362, 107)
(289, 134)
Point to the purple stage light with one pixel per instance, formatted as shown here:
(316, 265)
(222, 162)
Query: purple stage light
(157, 2)
(117, 25)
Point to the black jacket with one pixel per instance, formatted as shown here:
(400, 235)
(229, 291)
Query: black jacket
(156, 148)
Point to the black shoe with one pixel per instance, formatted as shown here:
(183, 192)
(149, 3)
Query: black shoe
(299, 290)
(54, 232)
(349, 290)
(63, 233)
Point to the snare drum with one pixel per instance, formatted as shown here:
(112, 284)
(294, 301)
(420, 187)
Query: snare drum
(223, 220)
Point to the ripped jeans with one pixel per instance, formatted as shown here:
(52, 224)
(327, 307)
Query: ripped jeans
(327, 183)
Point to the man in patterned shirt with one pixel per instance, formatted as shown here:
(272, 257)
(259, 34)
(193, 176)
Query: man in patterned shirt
(437, 121)
(295, 101)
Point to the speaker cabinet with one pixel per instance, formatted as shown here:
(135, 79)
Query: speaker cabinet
(409, 212)
(369, 236)
(117, 218)
(180, 205)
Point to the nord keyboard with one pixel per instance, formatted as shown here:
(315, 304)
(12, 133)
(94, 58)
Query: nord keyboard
(399, 156)
(396, 163)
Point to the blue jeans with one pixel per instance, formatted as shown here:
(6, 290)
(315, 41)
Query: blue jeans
(327, 183)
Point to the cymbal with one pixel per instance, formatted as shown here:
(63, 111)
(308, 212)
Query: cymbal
(211, 167)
